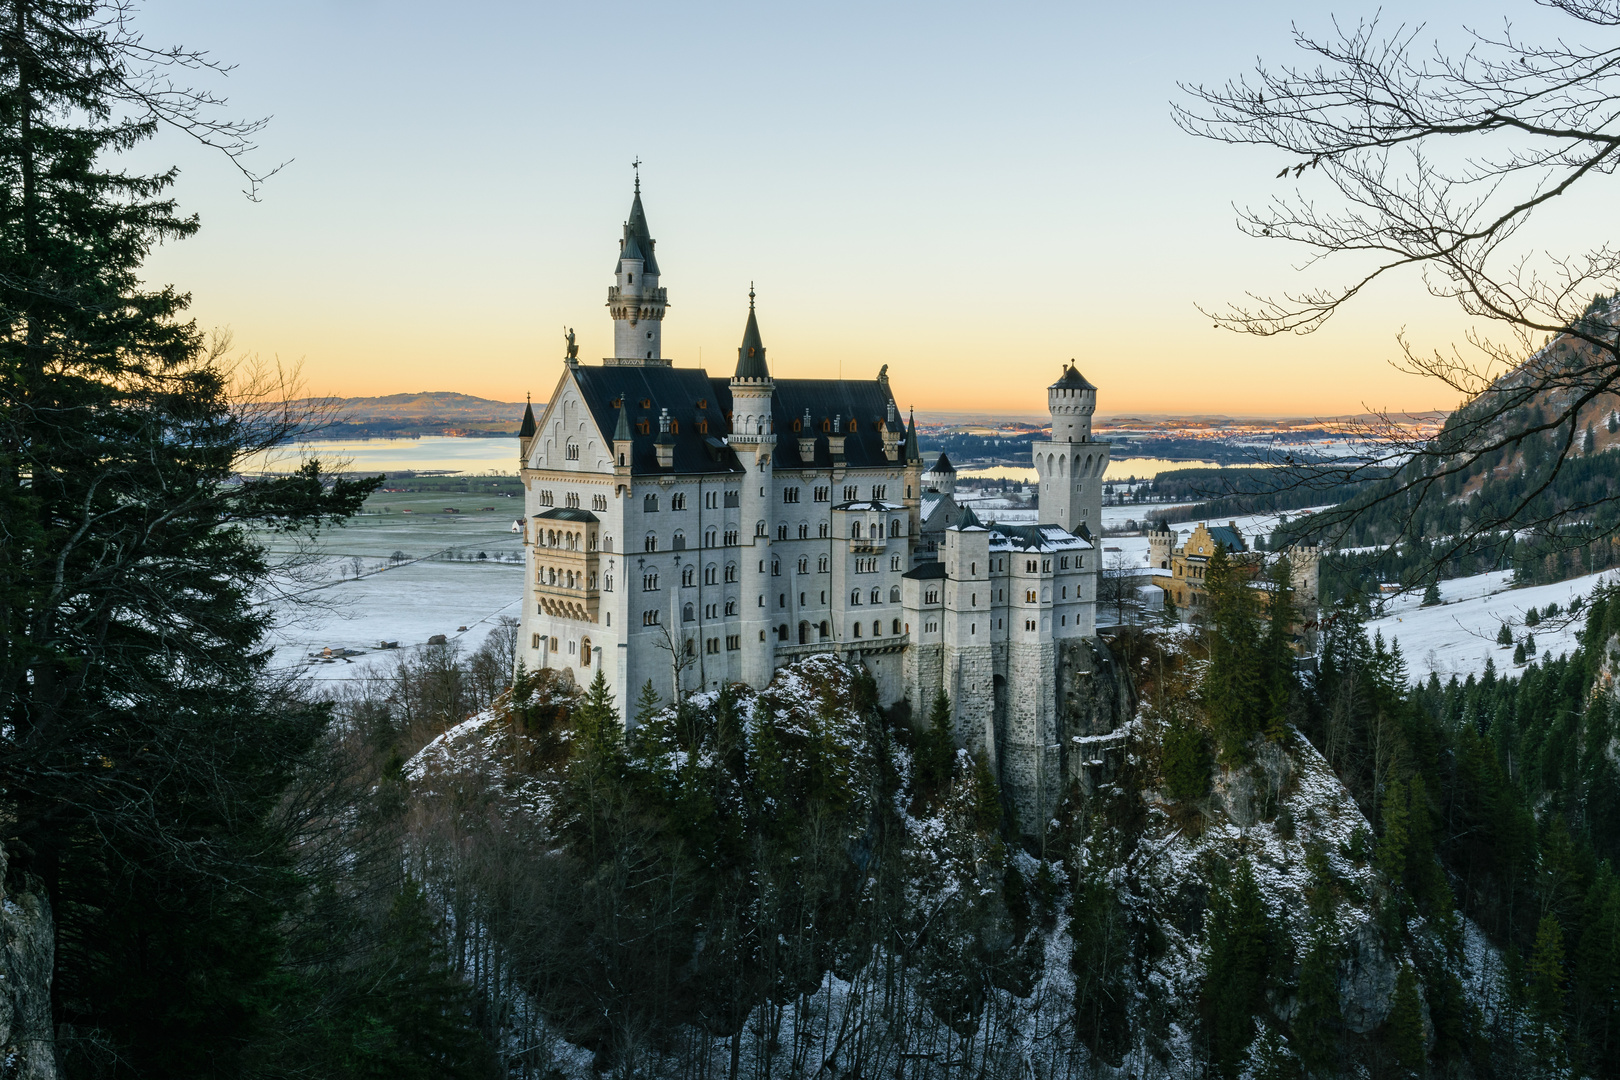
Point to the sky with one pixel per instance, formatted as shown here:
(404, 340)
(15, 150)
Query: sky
(972, 194)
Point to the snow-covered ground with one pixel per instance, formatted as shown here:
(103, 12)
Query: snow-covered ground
(407, 604)
(1457, 636)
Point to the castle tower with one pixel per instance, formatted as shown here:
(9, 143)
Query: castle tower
(636, 300)
(941, 477)
(753, 440)
(526, 433)
(1071, 464)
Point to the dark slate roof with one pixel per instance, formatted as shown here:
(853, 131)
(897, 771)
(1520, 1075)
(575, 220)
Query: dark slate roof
(1071, 379)
(865, 402)
(528, 428)
(751, 354)
(969, 520)
(638, 242)
(567, 513)
(1227, 536)
(912, 452)
(924, 571)
(943, 465)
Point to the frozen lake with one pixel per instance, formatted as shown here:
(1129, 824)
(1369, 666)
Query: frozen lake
(430, 453)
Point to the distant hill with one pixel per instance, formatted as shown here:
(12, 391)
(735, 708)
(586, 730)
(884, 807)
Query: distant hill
(435, 412)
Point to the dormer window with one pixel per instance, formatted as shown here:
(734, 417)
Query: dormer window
(826, 425)
(646, 403)
(703, 403)
(798, 425)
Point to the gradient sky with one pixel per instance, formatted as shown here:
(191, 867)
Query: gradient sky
(970, 193)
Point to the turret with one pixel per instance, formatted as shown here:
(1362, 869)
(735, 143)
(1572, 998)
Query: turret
(636, 300)
(1070, 464)
(526, 432)
(1071, 401)
(753, 439)
(623, 444)
(941, 477)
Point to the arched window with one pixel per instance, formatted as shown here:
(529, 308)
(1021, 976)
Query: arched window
(731, 572)
(709, 537)
(804, 633)
(687, 613)
(781, 532)
(857, 629)
(804, 564)
(804, 530)
(877, 595)
(679, 541)
(711, 574)
(894, 594)
(649, 504)
(897, 626)
(607, 542)
(571, 451)
(782, 633)
(584, 652)
(854, 597)
(894, 526)
(877, 628)
(855, 530)
(731, 607)
(776, 568)
(688, 576)
(551, 538)
(651, 543)
(823, 630)
(759, 528)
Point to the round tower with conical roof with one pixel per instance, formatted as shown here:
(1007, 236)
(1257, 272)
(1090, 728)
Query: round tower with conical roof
(636, 300)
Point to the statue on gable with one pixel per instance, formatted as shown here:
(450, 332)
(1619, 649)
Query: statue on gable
(573, 348)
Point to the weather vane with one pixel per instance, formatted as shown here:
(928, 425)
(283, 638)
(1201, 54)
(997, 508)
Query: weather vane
(636, 165)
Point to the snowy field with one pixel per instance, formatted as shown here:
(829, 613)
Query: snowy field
(354, 595)
(1456, 637)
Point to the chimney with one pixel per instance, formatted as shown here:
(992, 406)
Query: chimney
(807, 440)
(835, 441)
(665, 443)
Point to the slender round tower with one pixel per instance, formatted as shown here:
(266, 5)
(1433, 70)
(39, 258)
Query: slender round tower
(753, 438)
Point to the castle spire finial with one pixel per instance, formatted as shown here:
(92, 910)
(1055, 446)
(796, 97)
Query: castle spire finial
(636, 165)
(750, 296)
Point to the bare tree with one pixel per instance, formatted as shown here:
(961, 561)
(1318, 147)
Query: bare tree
(1407, 157)
(1116, 585)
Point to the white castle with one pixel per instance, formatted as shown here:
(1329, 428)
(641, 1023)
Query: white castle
(690, 531)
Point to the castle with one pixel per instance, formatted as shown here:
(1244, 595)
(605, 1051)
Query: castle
(690, 531)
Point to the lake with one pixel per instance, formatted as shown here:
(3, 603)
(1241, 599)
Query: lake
(430, 453)
(1118, 469)
(446, 453)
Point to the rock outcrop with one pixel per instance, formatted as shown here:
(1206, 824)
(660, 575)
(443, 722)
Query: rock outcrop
(27, 956)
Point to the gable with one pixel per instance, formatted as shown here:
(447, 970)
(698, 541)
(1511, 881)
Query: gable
(567, 435)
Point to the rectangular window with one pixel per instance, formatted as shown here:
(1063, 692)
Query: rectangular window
(731, 499)
(1065, 563)
(790, 495)
(733, 642)
(677, 501)
(879, 491)
(545, 498)
(599, 503)
(572, 499)
(821, 494)
(851, 492)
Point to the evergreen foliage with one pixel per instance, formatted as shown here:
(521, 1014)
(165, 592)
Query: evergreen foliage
(1186, 762)
(1237, 967)
(1431, 594)
(1406, 1022)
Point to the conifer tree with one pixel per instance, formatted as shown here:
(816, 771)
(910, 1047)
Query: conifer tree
(1518, 654)
(1431, 594)
(1504, 636)
(987, 810)
(1406, 1021)
(1185, 762)
(1614, 423)
(1546, 972)
(648, 703)
(1317, 1024)
(1277, 653)
(1237, 960)
(142, 745)
(936, 749)
(1233, 690)
(1390, 857)
(1101, 937)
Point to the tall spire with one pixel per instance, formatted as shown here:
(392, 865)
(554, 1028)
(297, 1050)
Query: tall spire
(751, 355)
(636, 300)
(528, 429)
(913, 453)
(621, 431)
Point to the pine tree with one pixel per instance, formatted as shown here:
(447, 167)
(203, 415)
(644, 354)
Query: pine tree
(987, 810)
(1277, 653)
(1236, 965)
(1186, 762)
(1318, 1021)
(1532, 617)
(1588, 441)
(1518, 654)
(1529, 646)
(1614, 423)
(1168, 614)
(936, 749)
(1504, 636)
(1099, 961)
(142, 745)
(1406, 1021)
(1390, 857)
(1233, 691)
(1546, 972)
(648, 703)
(1431, 594)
